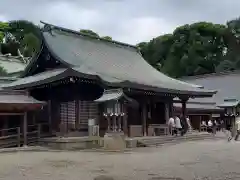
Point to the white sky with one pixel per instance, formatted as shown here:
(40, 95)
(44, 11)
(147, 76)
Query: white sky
(129, 21)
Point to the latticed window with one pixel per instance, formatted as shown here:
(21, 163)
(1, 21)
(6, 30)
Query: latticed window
(87, 110)
(68, 113)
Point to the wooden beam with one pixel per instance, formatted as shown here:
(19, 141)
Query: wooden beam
(50, 115)
(144, 119)
(25, 129)
(11, 114)
(125, 123)
(184, 109)
(167, 114)
(77, 121)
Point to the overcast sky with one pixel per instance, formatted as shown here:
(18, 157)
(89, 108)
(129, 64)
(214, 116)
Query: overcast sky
(130, 21)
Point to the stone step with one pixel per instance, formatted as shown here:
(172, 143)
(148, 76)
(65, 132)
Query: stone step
(171, 140)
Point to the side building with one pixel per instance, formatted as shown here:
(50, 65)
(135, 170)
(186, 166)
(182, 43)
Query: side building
(225, 101)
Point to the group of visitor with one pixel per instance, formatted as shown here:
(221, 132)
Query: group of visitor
(212, 126)
(178, 125)
(230, 131)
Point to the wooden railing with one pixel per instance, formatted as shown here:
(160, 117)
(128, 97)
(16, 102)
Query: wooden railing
(13, 137)
(10, 137)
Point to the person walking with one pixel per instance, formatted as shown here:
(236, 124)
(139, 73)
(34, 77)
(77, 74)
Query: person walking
(210, 126)
(228, 131)
(178, 125)
(171, 125)
(222, 125)
(189, 123)
(184, 125)
(237, 128)
(214, 127)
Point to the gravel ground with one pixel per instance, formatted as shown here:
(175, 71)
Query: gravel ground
(188, 161)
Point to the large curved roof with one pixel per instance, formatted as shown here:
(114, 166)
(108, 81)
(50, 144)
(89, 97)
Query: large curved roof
(114, 63)
(106, 59)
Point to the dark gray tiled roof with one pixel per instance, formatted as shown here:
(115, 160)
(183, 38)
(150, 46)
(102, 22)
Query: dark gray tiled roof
(116, 94)
(109, 95)
(17, 97)
(111, 61)
(206, 106)
(35, 80)
(227, 84)
(229, 103)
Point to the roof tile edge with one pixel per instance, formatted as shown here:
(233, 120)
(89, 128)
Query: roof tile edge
(85, 35)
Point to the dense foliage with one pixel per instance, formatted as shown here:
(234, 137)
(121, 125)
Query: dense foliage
(194, 49)
(20, 36)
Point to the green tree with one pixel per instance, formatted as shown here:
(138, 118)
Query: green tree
(232, 36)
(107, 38)
(24, 36)
(89, 32)
(191, 49)
(4, 27)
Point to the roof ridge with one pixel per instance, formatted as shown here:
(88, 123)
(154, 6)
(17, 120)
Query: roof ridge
(86, 35)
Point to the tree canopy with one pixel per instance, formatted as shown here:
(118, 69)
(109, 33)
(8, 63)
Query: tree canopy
(89, 32)
(21, 35)
(194, 49)
(94, 34)
(4, 27)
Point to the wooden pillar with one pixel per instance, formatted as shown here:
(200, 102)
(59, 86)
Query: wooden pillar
(144, 119)
(200, 122)
(77, 121)
(125, 117)
(119, 120)
(50, 115)
(34, 118)
(184, 113)
(108, 124)
(114, 123)
(5, 126)
(171, 109)
(25, 129)
(166, 112)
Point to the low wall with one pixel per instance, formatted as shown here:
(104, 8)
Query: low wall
(71, 143)
(135, 131)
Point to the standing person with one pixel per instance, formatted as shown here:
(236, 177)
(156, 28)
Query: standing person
(178, 125)
(210, 125)
(228, 131)
(237, 127)
(222, 125)
(171, 125)
(214, 127)
(189, 123)
(184, 125)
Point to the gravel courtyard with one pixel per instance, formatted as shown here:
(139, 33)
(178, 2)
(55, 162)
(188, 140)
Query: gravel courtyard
(188, 161)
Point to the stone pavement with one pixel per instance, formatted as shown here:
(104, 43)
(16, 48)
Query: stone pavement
(208, 159)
